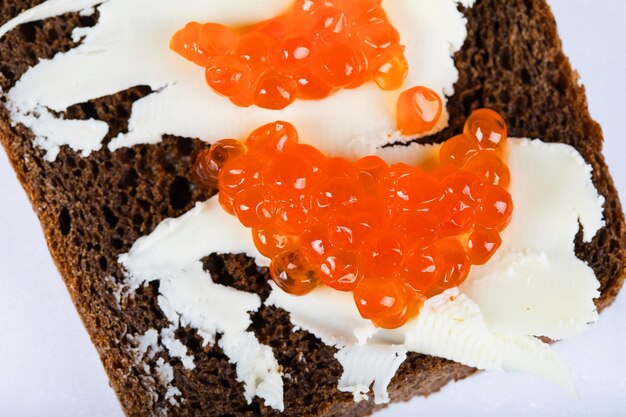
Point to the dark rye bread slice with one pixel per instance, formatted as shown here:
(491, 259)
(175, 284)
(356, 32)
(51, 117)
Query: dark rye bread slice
(93, 209)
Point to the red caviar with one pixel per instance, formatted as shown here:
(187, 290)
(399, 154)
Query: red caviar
(391, 235)
(315, 48)
(418, 110)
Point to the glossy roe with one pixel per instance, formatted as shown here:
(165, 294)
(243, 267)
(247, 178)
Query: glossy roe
(392, 235)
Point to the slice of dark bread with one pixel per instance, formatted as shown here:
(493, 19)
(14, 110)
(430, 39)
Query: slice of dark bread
(93, 209)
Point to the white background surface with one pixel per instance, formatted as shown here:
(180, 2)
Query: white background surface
(48, 366)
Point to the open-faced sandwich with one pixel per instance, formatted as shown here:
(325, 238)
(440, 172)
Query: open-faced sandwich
(310, 207)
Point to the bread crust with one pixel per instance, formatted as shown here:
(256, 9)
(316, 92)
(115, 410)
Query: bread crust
(93, 209)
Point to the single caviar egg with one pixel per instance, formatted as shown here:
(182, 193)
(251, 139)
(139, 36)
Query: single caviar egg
(340, 270)
(238, 173)
(487, 127)
(348, 230)
(458, 150)
(274, 91)
(371, 169)
(315, 240)
(482, 245)
(393, 72)
(228, 76)
(310, 86)
(340, 66)
(273, 137)
(210, 161)
(270, 241)
(378, 299)
(419, 228)
(489, 167)
(423, 269)
(293, 54)
(292, 217)
(382, 254)
(293, 272)
(496, 207)
(205, 170)
(454, 262)
(252, 208)
(418, 111)
(215, 39)
(393, 321)
(333, 26)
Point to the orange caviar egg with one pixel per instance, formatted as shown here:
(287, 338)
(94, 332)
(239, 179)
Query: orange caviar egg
(418, 110)
(393, 235)
(382, 253)
(336, 188)
(456, 216)
(240, 172)
(292, 271)
(210, 161)
(482, 244)
(496, 207)
(340, 270)
(371, 169)
(423, 269)
(418, 191)
(392, 73)
(274, 91)
(289, 174)
(252, 208)
(292, 217)
(227, 202)
(315, 240)
(487, 127)
(226, 149)
(293, 54)
(309, 52)
(380, 299)
(187, 43)
(255, 48)
(311, 87)
(332, 27)
(377, 36)
(227, 75)
(214, 39)
(270, 242)
(273, 137)
(454, 261)
(419, 228)
(463, 184)
(348, 230)
(367, 5)
(458, 150)
(489, 167)
(204, 171)
(394, 321)
(340, 66)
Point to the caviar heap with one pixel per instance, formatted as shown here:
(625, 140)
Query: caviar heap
(392, 235)
(309, 52)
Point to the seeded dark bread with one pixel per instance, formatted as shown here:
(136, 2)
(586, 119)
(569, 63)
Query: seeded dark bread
(93, 209)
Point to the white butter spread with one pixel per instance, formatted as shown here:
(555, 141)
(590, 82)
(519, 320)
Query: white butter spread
(129, 46)
(535, 286)
(370, 365)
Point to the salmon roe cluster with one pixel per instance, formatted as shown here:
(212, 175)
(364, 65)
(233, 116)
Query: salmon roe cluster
(393, 235)
(309, 52)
